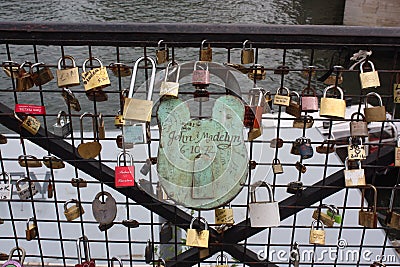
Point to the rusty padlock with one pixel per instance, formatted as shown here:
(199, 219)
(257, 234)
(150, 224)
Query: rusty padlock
(42, 75)
(205, 53)
(294, 106)
(162, 53)
(358, 127)
(377, 113)
(247, 54)
(29, 123)
(24, 79)
(393, 217)
(368, 218)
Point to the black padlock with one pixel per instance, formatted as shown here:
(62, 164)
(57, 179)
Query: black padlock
(166, 232)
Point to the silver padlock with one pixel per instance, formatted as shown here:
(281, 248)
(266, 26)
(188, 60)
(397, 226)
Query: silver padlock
(63, 126)
(6, 188)
(23, 191)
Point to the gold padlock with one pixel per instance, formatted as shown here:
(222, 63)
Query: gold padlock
(224, 216)
(396, 90)
(162, 53)
(69, 76)
(10, 68)
(197, 238)
(205, 53)
(333, 107)
(368, 218)
(74, 211)
(377, 113)
(324, 217)
(119, 120)
(247, 54)
(96, 78)
(393, 217)
(31, 229)
(89, 150)
(30, 161)
(43, 74)
(282, 100)
(29, 123)
(101, 128)
(317, 237)
(170, 88)
(369, 79)
(257, 72)
(277, 166)
(24, 79)
(356, 152)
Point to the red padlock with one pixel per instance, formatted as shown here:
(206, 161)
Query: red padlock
(124, 175)
(309, 102)
(254, 111)
(87, 261)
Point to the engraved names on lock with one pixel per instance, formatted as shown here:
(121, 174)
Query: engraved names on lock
(95, 77)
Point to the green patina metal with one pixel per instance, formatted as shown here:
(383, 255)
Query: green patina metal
(202, 162)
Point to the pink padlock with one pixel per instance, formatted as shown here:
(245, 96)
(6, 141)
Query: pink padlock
(201, 77)
(309, 102)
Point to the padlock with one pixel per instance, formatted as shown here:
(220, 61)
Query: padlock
(309, 102)
(195, 237)
(117, 260)
(146, 167)
(257, 72)
(63, 126)
(276, 142)
(282, 100)
(73, 212)
(104, 211)
(333, 107)
(294, 256)
(200, 77)
(303, 122)
(325, 147)
(53, 162)
(27, 190)
(281, 70)
(368, 218)
(10, 68)
(205, 52)
(78, 182)
(294, 106)
(15, 263)
(334, 211)
(220, 262)
(170, 88)
(43, 74)
(3, 139)
(166, 232)
(354, 177)
(295, 188)
(31, 229)
(87, 261)
(96, 78)
(119, 120)
(357, 127)
(356, 152)
(253, 111)
(377, 113)
(120, 69)
(396, 90)
(6, 188)
(300, 167)
(325, 218)
(89, 150)
(50, 189)
(377, 264)
(137, 112)
(277, 166)
(24, 79)
(305, 148)
(247, 54)
(96, 95)
(68, 76)
(124, 175)
(369, 79)
(295, 147)
(122, 144)
(393, 217)
(162, 53)
(317, 237)
(397, 153)
(148, 252)
(258, 210)
(70, 99)
(101, 127)
(29, 123)
(224, 216)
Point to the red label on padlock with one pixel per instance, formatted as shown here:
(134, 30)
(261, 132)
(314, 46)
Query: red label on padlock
(124, 176)
(30, 109)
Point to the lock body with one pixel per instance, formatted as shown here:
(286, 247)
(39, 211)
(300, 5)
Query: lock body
(73, 212)
(333, 107)
(42, 76)
(224, 216)
(258, 210)
(104, 211)
(355, 177)
(24, 191)
(309, 102)
(196, 237)
(31, 230)
(277, 166)
(326, 219)
(317, 237)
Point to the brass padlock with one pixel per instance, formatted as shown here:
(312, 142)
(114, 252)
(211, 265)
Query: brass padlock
(354, 177)
(69, 76)
(63, 126)
(257, 72)
(96, 78)
(10, 68)
(282, 100)
(393, 217)
(170, 88)
(276, 142)
(317, 237)
(43, 74)
(78, 182)
(205, 53)
(29, 123)
(120, 69)
(101, 128)
(220, 263)
(397, 153)
(294, 108)
(247, 54)
(356, 152)
(369, 79)
(326, 219)
(119, 120)
(96, 95)
(224, 216)
(89, 150)
(325, 147)
(377, 113)
(303, 122)
(24, 79)
(29, 161)
(358, 127)
(31, 229)
(277, 166)
(70, 99)
(53, 162)
(368, 218)
(197, 238)
(333, 107)
(74, 211)
(396, 91)
(162, 53)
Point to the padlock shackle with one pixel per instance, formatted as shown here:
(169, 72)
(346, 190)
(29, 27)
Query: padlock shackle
(316, 221)
(202, 44)
(66, 57)
(261, 184)
(71, 201)
(159, 45)
(88, 59)
(368, 62)
(294, 93)
(198, 62)
(126, 154)
(38, 64)
(64, 114)
(27, 63)
(87, 114)
(218, 260)
(333, 87)
(152, 77)
(117, 259)
(375, 196)
(200, 219)
(346, 163)
(10, 63)
(351, 141)
(86, 248)
(373, 94)
(7, 175)
(102, 193)
(359, 114)
(308, 89)
(23, 254)
(276, 161)
(247, 42)
(335, 209)
(166, 74)
(282, 88)
(396, 187)
(24, 179)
